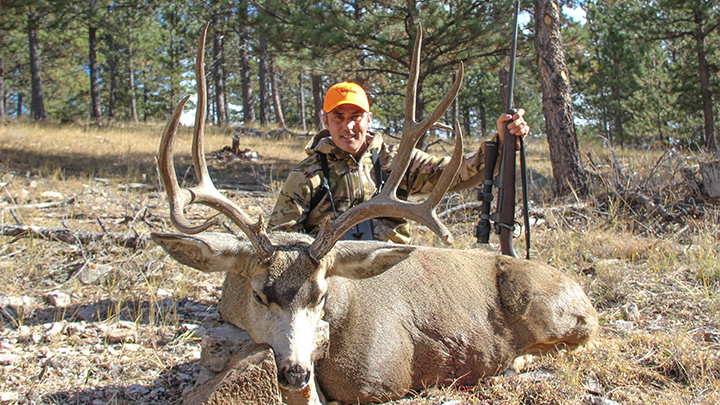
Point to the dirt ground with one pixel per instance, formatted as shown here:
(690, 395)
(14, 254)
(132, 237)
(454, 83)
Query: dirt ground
(99, 323)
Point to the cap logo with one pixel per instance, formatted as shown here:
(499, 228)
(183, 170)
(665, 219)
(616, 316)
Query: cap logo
(344, 91)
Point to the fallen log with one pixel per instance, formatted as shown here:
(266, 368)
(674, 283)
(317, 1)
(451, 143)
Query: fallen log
(74, 236)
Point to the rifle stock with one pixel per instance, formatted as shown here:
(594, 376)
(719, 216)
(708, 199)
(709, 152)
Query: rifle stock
(505, 223)
(504, 217)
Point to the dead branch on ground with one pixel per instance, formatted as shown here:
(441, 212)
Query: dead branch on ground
(73, 236)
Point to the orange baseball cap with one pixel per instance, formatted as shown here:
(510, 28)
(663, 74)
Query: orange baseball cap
(345, 93)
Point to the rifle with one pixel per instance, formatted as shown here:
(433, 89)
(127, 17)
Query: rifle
(504, 217)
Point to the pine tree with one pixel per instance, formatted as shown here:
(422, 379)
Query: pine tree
(557, 101)
(685, 26)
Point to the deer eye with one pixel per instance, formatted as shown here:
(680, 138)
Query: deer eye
(259, 299)
(321, 302)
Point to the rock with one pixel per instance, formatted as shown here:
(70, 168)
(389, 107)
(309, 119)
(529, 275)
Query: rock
(9, 397)
(88, 313)
(593, 400)
(120, 335)
(220, 344)
(136, 390)
(76, 328)
(58, 299)
(592, 384)
(249, 378)
(630, 312)
(93, 272)
(18, 307)
(624, 327)
(7, 359)
(163, 293)
(536, 375)
(713, 337)
(53, 328)
(53, 195)
(248, 154)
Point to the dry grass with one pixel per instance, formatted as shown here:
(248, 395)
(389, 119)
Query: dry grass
(620, 252)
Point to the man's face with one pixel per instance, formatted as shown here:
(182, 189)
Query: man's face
(348, 125)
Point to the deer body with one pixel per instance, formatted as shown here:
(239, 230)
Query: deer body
(371, 320)
(445, 317)
(412, 317)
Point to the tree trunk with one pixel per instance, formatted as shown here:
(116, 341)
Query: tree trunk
(455, 113)
(245, 84)
(112, 64)
(279, 117)
(262, 77)
(705, 87)
(618, 107)
(20, 101)
(466, 120)
(131, 74)
(557, 102)
(2, 86)
(37, 104)
(218, 66)
(94, 88)
(422, 143)
(318, 101)
(301, 104)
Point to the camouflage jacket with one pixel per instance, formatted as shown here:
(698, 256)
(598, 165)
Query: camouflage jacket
(352, 182)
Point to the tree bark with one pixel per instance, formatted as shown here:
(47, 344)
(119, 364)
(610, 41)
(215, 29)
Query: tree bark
(557, 102)
(20, 101)
(245, 84)
(279, 116)
(318, 101)
(218, 67)
(131, 74)
(705, 85)
(37, 104)
(618, 106)
(112, 65)
(2, 85)
(94, 88)
(301, 104)
(262, 78)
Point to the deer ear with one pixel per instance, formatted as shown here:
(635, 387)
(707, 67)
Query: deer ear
(355, 259)
(208, 251)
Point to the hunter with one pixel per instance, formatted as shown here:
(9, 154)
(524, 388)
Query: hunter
(348, 164)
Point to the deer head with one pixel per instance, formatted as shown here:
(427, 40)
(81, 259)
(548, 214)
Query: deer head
(275, 286)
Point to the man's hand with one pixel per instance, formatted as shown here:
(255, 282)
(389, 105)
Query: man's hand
(517, 127)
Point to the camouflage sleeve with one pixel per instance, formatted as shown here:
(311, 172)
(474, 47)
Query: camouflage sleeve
(425, 171)
(293, 204)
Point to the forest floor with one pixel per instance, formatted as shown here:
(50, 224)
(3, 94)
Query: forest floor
(98, 323)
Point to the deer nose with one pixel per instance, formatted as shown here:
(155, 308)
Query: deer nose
(296, 376)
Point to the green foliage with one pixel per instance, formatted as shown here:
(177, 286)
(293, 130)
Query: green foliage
(634, 64)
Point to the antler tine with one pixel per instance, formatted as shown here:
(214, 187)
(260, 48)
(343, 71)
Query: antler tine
(386, 203)
(205, 192)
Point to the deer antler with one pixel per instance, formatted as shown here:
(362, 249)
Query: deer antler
(205, 192)
(386, 203)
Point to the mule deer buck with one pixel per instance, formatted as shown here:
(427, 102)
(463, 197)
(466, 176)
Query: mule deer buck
(398, 318)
